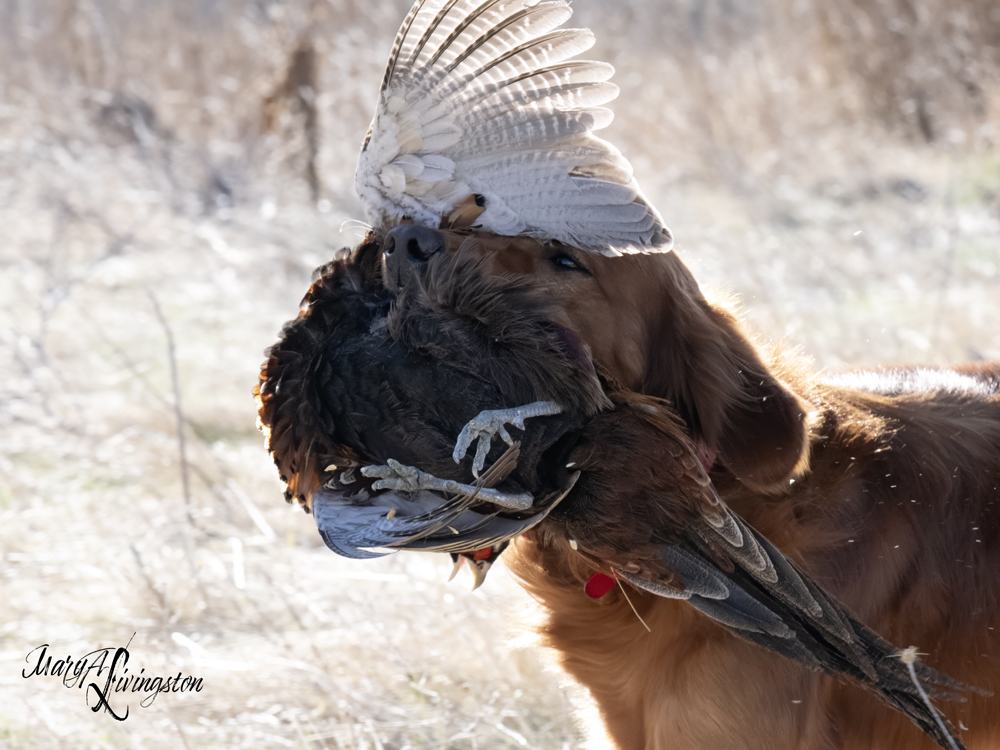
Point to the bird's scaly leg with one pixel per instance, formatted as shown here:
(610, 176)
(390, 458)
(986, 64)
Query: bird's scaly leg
(397, 476)
(488, 423)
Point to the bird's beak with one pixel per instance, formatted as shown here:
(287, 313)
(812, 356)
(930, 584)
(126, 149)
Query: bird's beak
(480, 561)
(457, 561)
(479, 569)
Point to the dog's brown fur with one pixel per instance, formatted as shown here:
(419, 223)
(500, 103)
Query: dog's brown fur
(883, 485)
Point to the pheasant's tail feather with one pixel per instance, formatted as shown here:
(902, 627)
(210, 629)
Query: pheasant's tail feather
(764, 598)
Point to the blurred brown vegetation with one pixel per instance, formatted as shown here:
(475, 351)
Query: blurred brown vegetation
(714, 84)
(171, 172)
(758, 85)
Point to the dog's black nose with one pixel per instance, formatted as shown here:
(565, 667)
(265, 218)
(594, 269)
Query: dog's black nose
(407, 250)
(417, 243)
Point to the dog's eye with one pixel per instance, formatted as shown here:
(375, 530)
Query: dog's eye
(563, 261)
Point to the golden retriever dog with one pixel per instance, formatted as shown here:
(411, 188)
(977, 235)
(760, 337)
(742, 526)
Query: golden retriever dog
(882, 484)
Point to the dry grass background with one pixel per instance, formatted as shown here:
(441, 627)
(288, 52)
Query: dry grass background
(174, 170)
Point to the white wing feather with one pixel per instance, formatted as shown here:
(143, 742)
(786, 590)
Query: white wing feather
(480, 98)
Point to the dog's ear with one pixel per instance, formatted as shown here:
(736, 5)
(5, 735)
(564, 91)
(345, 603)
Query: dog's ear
(757, 424)
(721, 387)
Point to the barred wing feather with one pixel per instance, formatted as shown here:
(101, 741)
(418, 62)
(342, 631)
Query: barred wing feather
(481, 99)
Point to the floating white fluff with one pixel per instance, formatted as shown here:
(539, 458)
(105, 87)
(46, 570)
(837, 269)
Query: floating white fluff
(480, 98)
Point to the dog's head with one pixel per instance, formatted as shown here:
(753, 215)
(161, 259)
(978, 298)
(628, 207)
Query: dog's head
(646, 323)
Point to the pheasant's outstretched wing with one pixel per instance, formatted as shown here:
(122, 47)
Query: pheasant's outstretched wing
(482, 119)
(361, 524)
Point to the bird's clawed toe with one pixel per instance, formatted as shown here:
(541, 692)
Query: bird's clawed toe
(396, 476)
(487, 424)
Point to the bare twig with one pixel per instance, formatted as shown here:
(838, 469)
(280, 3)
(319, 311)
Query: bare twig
(178, 409)
(161, 598)
(252, 510)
